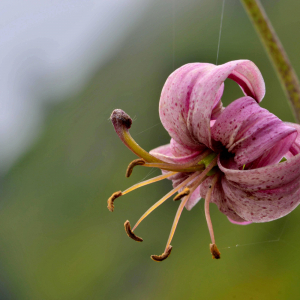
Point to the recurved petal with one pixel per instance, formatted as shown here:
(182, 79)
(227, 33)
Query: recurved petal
(249, 78)
(174, 102)
(274, 154)
(191, 98)
(206, 88)
(264, 205)
(252, 132)
(265, 178)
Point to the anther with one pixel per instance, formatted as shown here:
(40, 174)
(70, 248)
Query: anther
(136, 162)
(182, 194)
(130, 232)
(111, 199)
(214, 251)
(162, 257)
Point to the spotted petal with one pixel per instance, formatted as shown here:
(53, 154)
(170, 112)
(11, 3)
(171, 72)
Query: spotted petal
(262, 194)
(253, 134)
(191, 97)
(175, 153)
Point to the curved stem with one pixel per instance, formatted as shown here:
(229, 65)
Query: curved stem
(276, 53)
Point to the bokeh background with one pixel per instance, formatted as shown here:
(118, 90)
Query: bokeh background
(65, 65)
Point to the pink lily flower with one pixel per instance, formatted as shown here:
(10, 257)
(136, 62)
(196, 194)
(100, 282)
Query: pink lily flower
(242, 157)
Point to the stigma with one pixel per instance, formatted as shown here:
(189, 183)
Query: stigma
(195, 172)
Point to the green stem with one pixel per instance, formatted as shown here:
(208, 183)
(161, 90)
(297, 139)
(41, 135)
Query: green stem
(276, 53)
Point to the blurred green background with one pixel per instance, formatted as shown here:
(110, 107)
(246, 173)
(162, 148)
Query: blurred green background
(57, 238)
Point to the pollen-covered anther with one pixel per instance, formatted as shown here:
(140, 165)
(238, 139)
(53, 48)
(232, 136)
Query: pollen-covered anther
(111, 199)
(130, 232)
(214, 251)
(182, 194)
(162, 257)
(136, 162)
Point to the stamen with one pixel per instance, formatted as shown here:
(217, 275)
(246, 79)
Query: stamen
(197, 164)
(111, 199)
(122, 122)
(200, 177)
(175, 168)
(213, 248)
(136, 162)
(146, 182)
(192, 188)
(130, 233)
(163, 199)
(162, 257)
(182, 194)
(177, 216)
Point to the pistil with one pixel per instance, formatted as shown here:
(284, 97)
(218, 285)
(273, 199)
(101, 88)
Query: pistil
(196, 165)
(175, 168)
(122, 123)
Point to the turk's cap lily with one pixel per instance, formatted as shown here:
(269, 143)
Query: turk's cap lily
(242, 157)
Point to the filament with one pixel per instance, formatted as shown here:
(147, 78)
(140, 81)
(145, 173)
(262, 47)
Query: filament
(177, 216)
(194, 185)
(196, 164)
(176, 168)
(149, 181)
(163, 199)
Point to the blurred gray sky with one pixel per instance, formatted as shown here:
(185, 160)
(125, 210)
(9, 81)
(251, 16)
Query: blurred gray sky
(48, 49)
